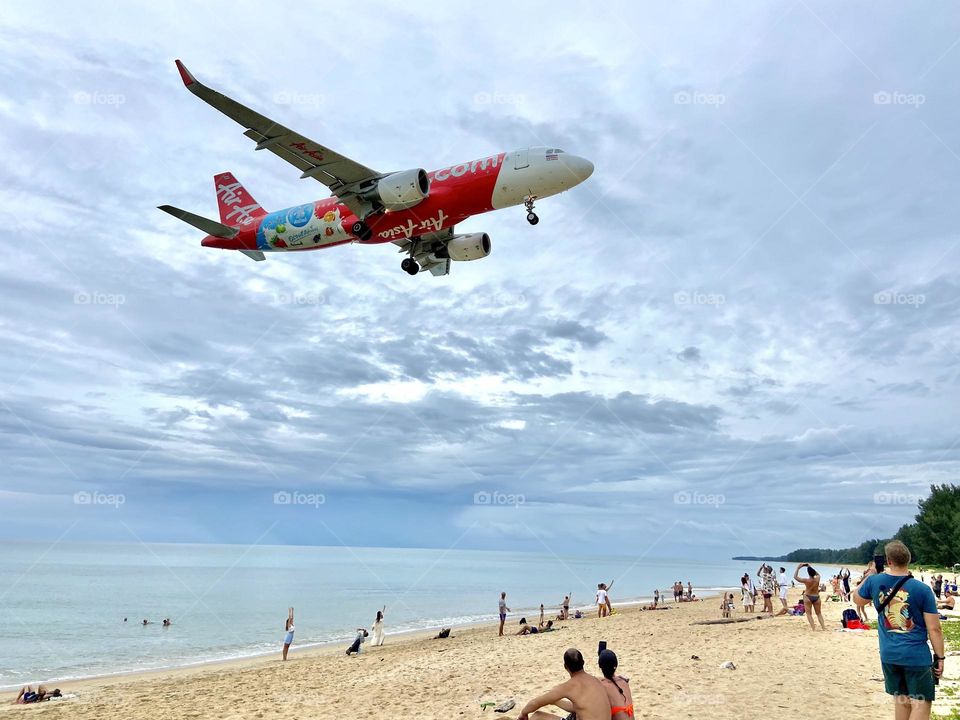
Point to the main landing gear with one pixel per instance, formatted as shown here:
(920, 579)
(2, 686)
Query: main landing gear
(361, 230)
(531, 215)
(410, 266)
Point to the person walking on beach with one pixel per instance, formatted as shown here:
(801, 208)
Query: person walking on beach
(503, 611)
(582, 694)
(811, 594)
(288, 638)
(377, 640)
(907, 618)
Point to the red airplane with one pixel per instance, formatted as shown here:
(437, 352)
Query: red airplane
(414, 209)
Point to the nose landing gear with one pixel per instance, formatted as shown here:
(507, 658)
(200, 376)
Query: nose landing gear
(531, 215)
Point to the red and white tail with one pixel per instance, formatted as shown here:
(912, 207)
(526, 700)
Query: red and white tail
(237, 206)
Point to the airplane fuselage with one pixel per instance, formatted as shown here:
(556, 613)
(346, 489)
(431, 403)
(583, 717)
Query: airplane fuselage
(456, 193)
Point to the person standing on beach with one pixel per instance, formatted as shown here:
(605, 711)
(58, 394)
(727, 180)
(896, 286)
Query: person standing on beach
(656, 598)
(907, 617)
(503, 611)
(767, 587)
(783, 587)
(288, 638)
(378, 628)
(565, 607)
(811, 594)
(582, 694)
(601, 600)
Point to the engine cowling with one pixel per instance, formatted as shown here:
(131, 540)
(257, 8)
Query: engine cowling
(401, 190)
(465, 247)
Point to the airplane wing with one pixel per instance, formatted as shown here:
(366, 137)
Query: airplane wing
(424, 245)
(341, 174)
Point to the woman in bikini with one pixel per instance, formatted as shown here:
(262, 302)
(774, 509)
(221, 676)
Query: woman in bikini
(617, 687)
(811, 594)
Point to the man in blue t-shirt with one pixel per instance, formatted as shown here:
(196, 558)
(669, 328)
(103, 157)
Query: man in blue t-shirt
(909, 618)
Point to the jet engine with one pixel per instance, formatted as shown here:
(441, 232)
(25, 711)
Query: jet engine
(400, 190)
(464, 247)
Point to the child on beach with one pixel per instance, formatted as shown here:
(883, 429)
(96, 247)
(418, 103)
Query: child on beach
(726, 605)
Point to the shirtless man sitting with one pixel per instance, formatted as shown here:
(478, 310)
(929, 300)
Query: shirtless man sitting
(582, 694)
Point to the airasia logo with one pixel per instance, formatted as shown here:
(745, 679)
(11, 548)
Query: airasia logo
(464, 168)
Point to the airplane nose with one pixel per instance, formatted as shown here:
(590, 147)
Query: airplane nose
(579, 167)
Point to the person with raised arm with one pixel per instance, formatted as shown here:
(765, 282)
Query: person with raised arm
(811, 594)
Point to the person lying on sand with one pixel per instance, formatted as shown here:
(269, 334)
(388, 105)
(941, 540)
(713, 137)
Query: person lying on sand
(354, 648)
(27, 695)
(533, 630)
(582, 694)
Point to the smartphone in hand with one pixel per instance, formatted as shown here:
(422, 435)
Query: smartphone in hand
(602, 646)
(878, 561)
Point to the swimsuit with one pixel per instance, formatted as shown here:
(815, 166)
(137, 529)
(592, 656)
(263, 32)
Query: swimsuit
(813, 598)
(628, 709)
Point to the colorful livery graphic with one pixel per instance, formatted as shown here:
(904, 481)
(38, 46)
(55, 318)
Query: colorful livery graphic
(414, 209)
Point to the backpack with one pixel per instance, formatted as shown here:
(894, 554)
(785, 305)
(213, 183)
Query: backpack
(849, 615)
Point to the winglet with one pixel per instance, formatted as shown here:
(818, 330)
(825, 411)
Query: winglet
(188, 79)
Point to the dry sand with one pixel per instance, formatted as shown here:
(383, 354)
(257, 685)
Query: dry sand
(783, 671)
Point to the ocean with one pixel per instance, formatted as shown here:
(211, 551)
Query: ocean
(62, 607)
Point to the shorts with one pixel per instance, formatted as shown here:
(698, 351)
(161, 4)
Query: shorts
(914, 682)
(783, 593)
(767, 595)
(288, 638)
(503, 617)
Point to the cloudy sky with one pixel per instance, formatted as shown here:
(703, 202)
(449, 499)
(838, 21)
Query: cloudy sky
(738, 337)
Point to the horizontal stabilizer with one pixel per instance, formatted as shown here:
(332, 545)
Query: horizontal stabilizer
(210, 227)
(254, 255)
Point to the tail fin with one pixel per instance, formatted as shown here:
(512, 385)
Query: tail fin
(236, 204)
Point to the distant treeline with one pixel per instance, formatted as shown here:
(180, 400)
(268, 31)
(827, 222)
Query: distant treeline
(933, 539)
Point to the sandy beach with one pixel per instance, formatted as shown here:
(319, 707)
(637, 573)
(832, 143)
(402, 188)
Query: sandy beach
(781, 668)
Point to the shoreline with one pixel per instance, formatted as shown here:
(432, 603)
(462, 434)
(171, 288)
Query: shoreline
(323, 647)
(413, 675)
